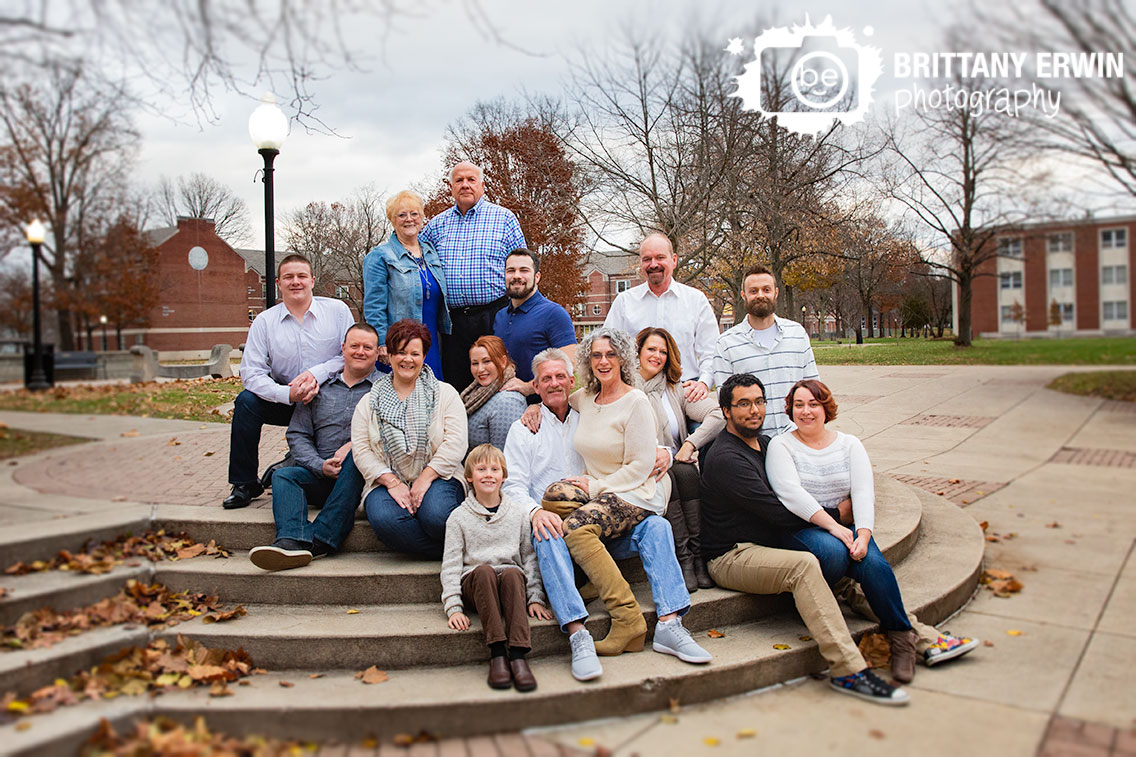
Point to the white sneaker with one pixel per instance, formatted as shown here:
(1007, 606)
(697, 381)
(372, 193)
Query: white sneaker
(585, 663)
(672, 638)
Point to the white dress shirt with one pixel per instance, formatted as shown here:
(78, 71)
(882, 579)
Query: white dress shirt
(537, 460)
(684, 312)
(279, 348)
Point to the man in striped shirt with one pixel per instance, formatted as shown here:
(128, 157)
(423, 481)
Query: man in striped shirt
(774, 349)
(472, 238)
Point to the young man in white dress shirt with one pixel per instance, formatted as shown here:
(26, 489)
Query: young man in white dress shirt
(291, 349)
(665, 303)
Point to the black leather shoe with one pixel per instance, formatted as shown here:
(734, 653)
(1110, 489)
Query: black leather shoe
(242, 495)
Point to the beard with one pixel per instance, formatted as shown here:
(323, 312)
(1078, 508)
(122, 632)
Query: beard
(745, 432)
(519, 290)
(761, 307)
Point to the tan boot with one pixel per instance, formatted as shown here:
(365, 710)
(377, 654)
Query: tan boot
(628, 629)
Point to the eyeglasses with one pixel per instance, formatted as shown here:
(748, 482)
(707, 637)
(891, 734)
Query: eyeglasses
(407, 214)
(747, 404)
(609, 355)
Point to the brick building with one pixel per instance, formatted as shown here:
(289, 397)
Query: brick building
(207, 291)
(607, 274)
(1078, 271)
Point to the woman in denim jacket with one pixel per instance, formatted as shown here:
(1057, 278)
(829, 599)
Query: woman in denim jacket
(402, 278)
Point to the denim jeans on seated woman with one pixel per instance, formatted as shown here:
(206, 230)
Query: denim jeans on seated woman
(873, 573)
(422, 534)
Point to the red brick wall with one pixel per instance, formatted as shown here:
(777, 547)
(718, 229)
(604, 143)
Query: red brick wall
(1131, 274)
(1037, 307)
(984, 303)
(1086, 276)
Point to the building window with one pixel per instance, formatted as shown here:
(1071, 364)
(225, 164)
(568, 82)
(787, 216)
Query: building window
(1066, 312)
(1060, 242)
(1114, 274)
(1060, 277)
(342, 291)
(1011, 280)
(622, 286)
(1115, 311)
(1007, 314)
(595, 309)
(1114, 239)
(1011, 248)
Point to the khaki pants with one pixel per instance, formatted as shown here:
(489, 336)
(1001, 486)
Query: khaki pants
(850, 592)
(764, 570)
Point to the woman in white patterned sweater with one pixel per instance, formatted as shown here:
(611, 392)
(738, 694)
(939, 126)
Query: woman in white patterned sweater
(814, 468)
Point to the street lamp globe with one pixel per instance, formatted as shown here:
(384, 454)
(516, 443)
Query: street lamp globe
(268, 126)
(36, 232)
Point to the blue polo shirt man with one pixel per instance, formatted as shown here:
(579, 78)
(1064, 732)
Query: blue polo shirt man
(530, 322)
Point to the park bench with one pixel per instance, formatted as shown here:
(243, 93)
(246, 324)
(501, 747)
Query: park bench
(147, 367)
(76, 365)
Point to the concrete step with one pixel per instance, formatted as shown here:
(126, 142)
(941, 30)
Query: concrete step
(64, 590)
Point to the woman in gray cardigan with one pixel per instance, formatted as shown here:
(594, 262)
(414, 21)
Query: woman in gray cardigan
(490, 407)
(402, 278)
(660, 366)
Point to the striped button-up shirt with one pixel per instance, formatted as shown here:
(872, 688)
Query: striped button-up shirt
(789, 361)
(473, 247)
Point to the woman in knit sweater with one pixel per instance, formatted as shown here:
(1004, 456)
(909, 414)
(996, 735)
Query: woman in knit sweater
(490, 408)
(621, 486)
(813, 468)
(660, 366)
(489, 562)
(408, 437)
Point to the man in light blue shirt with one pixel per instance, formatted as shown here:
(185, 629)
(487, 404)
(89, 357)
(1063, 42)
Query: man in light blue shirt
(472, 238)
(292, 348)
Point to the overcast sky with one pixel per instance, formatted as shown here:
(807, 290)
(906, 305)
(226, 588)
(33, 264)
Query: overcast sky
(433, 68)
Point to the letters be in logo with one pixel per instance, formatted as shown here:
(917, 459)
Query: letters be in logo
(810, 77)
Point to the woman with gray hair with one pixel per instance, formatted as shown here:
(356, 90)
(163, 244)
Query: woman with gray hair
(616, 438)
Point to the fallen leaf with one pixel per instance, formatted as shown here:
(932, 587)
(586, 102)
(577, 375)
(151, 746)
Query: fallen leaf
(1054, 524)
(219, 689)
(404, 739)
(988, 643)
(711, 741)
(23, 725)
(208, 454)
(668, 719)
(747, 733)
(191, 551)
(317, 675)
(674, 706)
(173, 442)
(875, 733)
(286, 684)
(940, 493)
(806, 638)
(714, 633)
(1014, 632)
(352, 612)
(131, 432)
(585, 741)
(953, 481)
(369, 743)
(781, 646)
(875, 650)
(372, 675)
(984, 525)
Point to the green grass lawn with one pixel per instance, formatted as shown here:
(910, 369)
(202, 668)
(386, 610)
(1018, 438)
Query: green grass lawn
(1088, 351)
(1110, 385)
(16, 442)
(192, 400)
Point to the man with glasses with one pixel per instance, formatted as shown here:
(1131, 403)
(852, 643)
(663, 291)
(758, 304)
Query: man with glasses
(774, 349)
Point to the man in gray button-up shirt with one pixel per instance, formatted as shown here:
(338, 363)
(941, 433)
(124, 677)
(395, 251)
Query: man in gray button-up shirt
(319, 436)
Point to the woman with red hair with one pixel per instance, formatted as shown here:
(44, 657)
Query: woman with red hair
(813, 468)
(490, 409)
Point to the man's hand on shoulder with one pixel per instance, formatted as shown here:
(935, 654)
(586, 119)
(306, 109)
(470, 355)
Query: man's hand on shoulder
(695, 390)
(516, 385)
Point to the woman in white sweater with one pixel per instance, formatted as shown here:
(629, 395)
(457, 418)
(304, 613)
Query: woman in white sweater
(622, 485)
(814, 468)
(408, 437)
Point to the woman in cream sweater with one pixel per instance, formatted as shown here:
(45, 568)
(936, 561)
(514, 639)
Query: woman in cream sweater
(408, 437)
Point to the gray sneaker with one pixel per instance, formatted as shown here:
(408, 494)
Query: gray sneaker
(672, 638)
(585, 663)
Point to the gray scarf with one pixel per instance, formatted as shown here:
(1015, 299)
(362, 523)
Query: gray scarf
(405, 424)
(655, 390)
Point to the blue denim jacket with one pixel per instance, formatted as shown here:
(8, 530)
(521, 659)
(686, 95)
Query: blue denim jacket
(392, 286)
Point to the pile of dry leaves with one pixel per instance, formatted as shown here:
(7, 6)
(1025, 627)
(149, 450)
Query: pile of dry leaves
(143, 604)
(102, 558)
(164, 736)
(137, 670)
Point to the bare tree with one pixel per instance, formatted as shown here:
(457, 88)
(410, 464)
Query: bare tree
(1098, 113)
(65, 151)
(201, 196)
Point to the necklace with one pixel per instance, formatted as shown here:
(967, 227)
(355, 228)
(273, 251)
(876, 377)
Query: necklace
(423, 274)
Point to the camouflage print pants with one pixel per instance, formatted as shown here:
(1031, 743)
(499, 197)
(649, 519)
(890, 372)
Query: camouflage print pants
(612, 515)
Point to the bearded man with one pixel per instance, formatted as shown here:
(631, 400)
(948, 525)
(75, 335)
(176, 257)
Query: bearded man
(774, 349)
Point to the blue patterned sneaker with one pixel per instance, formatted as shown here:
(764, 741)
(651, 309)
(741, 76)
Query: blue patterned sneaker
(948, 647)
(867, 685)
(672, 638)
(585, 663)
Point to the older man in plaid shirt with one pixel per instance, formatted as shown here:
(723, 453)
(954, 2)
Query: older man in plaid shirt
(473, 238)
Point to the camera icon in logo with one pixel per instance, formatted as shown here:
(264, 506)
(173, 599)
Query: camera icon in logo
(810, 76)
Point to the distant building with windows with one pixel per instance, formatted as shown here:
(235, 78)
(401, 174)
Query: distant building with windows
(607, 275)
(1050, 279)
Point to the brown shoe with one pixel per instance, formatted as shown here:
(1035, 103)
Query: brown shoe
(499, 676)
(523, 678)
(902, 655)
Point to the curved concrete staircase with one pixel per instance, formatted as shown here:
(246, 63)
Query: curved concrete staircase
(298, 624)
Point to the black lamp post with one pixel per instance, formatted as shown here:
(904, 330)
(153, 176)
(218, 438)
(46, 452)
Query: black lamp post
(103, 321)
(37, 381)
(268, 126)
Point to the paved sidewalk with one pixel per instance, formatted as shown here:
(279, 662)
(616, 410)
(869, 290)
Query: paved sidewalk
(1053, 475)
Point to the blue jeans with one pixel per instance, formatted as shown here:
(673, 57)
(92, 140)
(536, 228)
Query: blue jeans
(250, 414)
(651, 539)
(422, 534)
(873, 573)
(295, 489)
